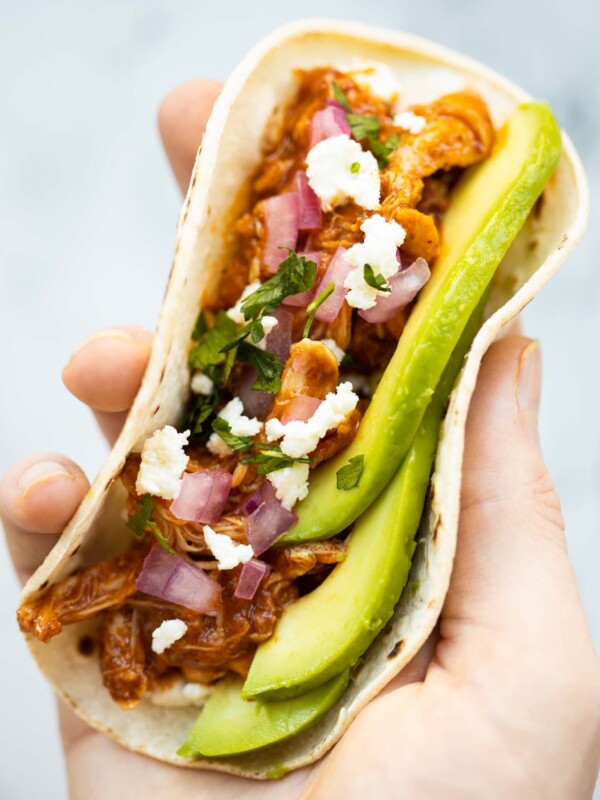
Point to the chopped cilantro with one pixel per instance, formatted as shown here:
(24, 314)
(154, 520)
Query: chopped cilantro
(354, 167)
(294, 275)
(270, 459)
(375, 281)
(208, 352)
(364, 126)
(200, 327)
(340, 96)
(268, 366)
(161, 539)
(141, 520)
(348, 476)
(201, 409)
(313, 307)
(223, 429)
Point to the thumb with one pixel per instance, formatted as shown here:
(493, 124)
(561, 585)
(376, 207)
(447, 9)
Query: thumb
(511, 570)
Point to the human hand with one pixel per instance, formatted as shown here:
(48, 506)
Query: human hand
(504, 701)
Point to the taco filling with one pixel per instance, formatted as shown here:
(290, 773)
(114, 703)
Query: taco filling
(339, 233)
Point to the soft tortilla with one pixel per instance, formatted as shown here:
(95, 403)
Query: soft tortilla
(229, 152)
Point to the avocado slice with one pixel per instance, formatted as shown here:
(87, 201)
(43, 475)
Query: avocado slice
(328, 630)
(488, 208)
(229, 725)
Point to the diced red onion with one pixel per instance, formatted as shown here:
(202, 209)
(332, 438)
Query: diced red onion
(270, 521)
(310, 216)
(251, 504)
(335, 104)
(336, 272)
(176, 580)
(202, 496)
(251, 575)
(281, 220)
(279, 341)
(405, 284)
(302, 299)
(331, 121)
(301, 409)
(256, 404)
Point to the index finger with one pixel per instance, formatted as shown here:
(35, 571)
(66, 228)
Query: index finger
(182, 117)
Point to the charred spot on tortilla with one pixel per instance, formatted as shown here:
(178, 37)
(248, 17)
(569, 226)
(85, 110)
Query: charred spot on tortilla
(86, 645)
(396, 649)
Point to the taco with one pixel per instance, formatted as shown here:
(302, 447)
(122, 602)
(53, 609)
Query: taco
(272, 536)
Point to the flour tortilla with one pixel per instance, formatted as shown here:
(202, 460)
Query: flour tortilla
(229, 153)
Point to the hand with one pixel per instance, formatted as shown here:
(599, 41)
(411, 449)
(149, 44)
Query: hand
(503, 701)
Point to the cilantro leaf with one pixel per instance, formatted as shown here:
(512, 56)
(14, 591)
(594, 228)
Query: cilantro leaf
(294, 275)
(375, 281)
(348, 476)
(161, 539)
(141, 520)
(363, 127)
(383, 150)
(268, 366)
(223, 429)
(270, 459)
(340, 96)
(313, 307)
(209, 350)
(201, 409)
(200, 327)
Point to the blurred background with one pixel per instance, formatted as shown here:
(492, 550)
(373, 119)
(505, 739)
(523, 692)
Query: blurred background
(87, 221)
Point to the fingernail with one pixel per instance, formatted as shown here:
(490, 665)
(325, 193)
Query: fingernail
(528, 383)
(40, 473)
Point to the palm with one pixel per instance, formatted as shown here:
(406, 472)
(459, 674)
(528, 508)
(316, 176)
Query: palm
(491, 707)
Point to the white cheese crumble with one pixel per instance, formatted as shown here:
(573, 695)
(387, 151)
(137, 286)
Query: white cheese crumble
(268, 324)
(298, 438)
(375, 77)
(409, 121)
(291, 484)
(201, 384)
(378, 249)
(339, 169)
(235, 312)
(163, 461)
(233, 413)
(225, 550)
(167, 633)
(335, 349)
(180, 694)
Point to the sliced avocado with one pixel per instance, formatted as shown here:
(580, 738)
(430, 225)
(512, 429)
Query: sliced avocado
(488, 208)
(328, 630)
(229, 725)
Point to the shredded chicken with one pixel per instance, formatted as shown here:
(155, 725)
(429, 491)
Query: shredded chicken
(311, 369)
(300, 559)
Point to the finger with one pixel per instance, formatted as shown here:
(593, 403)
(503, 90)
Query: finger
(38, 496)
(182, 117)
(105, 373)
(511, 570)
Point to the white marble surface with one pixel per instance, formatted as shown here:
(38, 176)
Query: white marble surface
(87, 217)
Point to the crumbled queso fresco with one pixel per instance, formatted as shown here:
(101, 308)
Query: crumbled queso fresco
(375, 77)
(180, 694)
(225, 550)
(290, 483)
(163, 462)
(339, 169)
(335, 349)
(167, 633)
(378, 249)
(409, 121)
(201, 384)
(235, 312)
(241, 425)
(268, 324)
(298, 438)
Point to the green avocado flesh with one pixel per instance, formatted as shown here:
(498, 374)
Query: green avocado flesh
(488, 208)
(229, 725)
(328, 630)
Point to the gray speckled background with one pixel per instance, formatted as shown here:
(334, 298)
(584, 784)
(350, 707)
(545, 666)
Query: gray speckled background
(87, 219)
